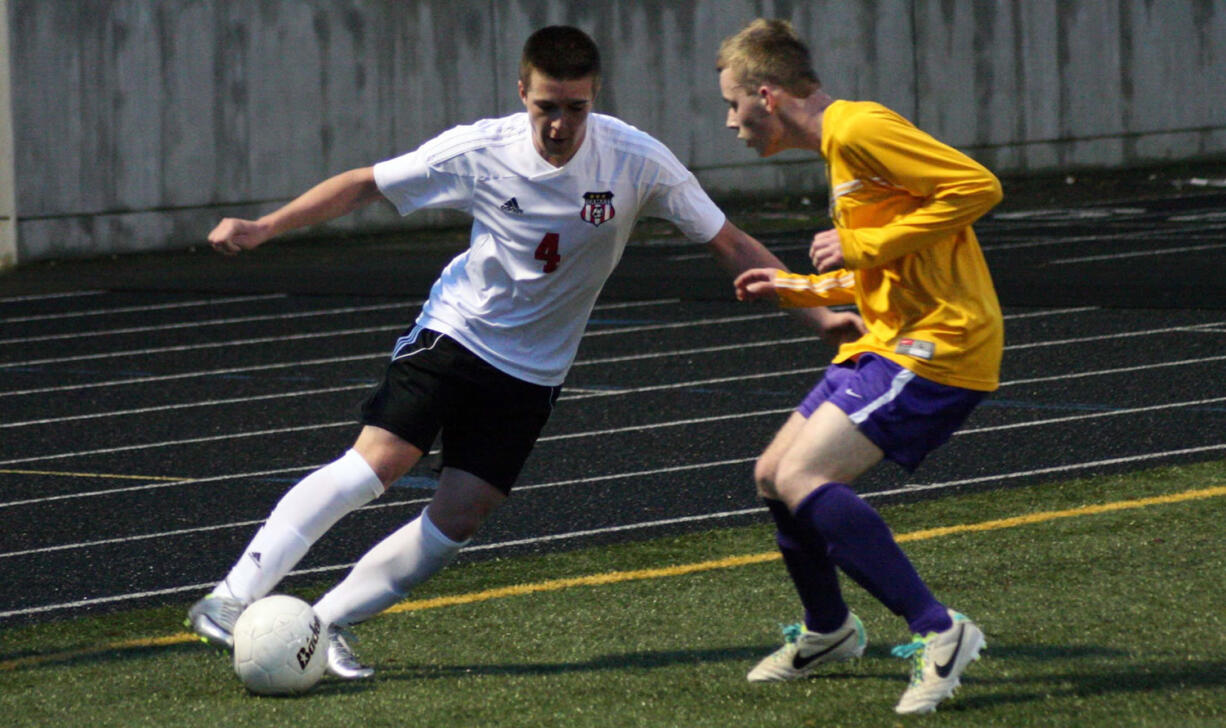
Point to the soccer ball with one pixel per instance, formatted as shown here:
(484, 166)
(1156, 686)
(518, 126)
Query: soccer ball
(279, 648)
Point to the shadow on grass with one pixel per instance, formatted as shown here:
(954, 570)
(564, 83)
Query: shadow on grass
(1142, 677)
(646, 660)
(97, 655)
(1051, 652)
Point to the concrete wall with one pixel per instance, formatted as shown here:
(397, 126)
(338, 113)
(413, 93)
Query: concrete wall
(137, 124)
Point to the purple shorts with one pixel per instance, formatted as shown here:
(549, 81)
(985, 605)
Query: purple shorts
(902, 413)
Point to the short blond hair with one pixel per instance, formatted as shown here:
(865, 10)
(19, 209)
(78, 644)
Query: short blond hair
(769, 51)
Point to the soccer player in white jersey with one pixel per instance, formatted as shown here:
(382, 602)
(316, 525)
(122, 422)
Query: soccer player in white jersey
(554, 193)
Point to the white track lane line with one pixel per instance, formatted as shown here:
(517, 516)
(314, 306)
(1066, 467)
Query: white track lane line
(49, 296)
(307, 468)
(1147, 234)
(1047, 240)
(196, 303)
(382, 354)
(191, 375)
(628, 474)
(178, 325)
(199, 347)
(577, 396)
(1060, 469)
(187, 405)
(245, 342)
(228, 321)
(1136, 254)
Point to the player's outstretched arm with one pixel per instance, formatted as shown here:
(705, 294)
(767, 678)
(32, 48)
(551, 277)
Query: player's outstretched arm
(756, 284)
(740, 253)
(332, 198)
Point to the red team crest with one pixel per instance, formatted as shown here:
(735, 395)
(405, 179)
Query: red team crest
(597, 207)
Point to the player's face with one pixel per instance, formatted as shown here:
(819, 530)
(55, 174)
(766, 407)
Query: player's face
(748, 116)
(558, 111)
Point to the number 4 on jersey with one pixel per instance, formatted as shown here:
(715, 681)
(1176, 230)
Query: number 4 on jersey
(547, 251)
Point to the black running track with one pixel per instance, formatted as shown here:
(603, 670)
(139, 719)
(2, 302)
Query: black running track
(153, 408)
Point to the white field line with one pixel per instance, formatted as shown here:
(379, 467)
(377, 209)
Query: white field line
(140, 309)
(1060, 469)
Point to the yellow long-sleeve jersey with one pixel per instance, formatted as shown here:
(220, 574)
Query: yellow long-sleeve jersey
(903, 204)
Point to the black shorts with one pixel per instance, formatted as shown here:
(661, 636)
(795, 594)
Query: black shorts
(489, 420)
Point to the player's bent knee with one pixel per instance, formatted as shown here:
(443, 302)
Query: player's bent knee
(387, 454)
(764, 478)
(793, 483)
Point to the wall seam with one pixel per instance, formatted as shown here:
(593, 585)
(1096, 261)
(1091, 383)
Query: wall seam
(8, 172)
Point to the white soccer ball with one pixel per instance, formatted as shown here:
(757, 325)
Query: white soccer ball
(279, 646)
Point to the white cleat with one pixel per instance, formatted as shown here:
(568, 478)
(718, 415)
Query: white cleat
(938, 659)
(805, 651)
(212, 619)
(342, 662)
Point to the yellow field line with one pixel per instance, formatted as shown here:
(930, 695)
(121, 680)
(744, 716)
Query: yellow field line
(1044, 516)
(659, 573)
(91, 475)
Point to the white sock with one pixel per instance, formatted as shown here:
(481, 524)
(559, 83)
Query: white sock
(388, 571)
(303, 514)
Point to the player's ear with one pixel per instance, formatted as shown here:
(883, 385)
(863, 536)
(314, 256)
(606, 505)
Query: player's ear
(766, 95)
(523, 91)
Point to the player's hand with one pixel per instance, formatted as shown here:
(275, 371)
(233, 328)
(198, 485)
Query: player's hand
(755, 284)
(232, 235)
(826, 251)
(840, 327)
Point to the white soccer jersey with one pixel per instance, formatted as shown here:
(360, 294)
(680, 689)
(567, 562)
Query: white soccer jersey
(544, 239)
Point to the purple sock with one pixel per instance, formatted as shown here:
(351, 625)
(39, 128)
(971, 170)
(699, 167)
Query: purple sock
(811, 570)
(861, 544)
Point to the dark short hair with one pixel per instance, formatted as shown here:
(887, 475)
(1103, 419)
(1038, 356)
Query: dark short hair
(561, 52)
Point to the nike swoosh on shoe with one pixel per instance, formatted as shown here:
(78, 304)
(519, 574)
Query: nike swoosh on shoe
(801, 663)
(944, 670)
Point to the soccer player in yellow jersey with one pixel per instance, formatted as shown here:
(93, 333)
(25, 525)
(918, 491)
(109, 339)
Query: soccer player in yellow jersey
(903, 251)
